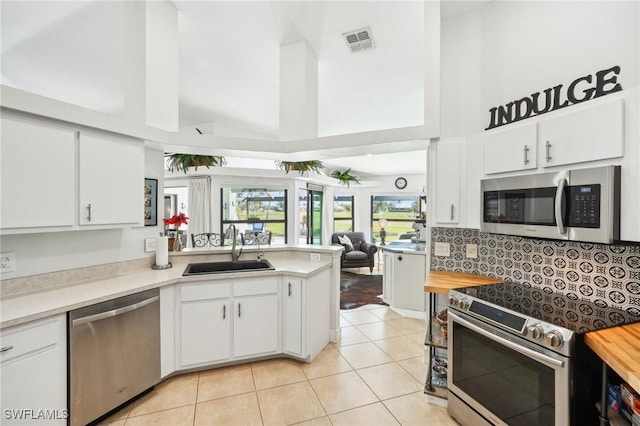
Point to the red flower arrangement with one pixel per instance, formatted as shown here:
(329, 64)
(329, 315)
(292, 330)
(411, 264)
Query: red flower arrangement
(177, 220)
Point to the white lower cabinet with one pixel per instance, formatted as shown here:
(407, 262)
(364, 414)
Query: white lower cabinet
(204, 323)
(306, 318)
(404, 277)
(292, 318)
(387, 277)
(256, 322)
(33, 373)
(219, 321)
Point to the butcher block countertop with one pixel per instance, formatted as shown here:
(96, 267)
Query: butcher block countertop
(619, 347)
(441, 281)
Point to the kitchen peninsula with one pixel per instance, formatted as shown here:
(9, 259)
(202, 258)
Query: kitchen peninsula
(292, 311)
(68, 290)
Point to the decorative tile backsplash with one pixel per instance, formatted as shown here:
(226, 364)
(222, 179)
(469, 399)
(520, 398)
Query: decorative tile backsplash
(605, 274)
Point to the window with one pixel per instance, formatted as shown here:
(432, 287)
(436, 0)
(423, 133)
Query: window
(394, 215)
(342, 213)
(256, 209)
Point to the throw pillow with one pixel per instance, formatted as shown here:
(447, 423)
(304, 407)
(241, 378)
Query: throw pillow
(346, 242)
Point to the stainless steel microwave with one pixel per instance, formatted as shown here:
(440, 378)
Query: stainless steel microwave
(577, 205)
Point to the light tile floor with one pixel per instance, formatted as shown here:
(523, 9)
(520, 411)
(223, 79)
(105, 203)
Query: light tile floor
(373, 376)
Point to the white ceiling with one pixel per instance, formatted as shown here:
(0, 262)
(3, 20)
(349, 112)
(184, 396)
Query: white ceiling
(229, 64)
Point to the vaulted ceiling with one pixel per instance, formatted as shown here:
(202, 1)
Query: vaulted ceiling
(229, 62)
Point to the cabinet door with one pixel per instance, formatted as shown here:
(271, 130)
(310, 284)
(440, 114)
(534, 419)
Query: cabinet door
(510, 150)
(255, 325)
(293, 316)
(34, 372)
(409, 275)
(111, 179)
(205, 332)
(387, 278)
(38, 173)
(448, 177)
(203, 329)
(595, 133)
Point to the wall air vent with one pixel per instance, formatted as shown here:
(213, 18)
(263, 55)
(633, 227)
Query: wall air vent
(359, 40)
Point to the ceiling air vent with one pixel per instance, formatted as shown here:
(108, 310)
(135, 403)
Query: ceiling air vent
(359, 40)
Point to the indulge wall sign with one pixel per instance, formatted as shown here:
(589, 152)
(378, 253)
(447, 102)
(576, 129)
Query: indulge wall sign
(579, 90)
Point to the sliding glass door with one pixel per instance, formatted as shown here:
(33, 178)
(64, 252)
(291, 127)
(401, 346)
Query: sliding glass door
(310, 201)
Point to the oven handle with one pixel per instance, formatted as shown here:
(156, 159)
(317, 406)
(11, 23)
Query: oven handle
(551, 362)
(558, 206)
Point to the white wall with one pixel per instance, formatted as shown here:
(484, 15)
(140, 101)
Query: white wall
(511, 49)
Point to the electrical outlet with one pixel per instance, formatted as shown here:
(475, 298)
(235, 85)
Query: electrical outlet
(471, 251)
(316, 257)
(8, 262)
(443, 249)
(150, 244)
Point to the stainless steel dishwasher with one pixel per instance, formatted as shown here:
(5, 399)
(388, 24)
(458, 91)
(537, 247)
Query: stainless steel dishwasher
(114, 354)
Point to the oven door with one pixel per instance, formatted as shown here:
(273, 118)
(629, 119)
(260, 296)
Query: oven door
(506, 379)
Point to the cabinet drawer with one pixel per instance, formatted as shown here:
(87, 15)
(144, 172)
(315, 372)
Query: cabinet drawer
(190, 292)
(24, 339)
(260, 286)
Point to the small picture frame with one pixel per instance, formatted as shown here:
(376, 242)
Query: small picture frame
(150, 202)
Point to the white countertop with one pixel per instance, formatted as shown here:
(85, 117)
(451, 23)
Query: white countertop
(24, 308)
(405, 246)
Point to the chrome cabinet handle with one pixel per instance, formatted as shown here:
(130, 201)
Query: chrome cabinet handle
(6, 348)
(451, 211)
(526, 151)
(548, 146)
(89, 212)
(289, 289)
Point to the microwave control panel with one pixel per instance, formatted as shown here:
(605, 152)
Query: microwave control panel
(584, 206)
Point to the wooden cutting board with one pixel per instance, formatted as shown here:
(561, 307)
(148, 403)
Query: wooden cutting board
(441, 281)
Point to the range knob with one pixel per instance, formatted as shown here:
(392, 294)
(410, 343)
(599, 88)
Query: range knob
(464, 304)
(554, 339)
(536, 331)
(453, 301)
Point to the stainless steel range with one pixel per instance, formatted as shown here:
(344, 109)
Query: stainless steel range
(517, 357)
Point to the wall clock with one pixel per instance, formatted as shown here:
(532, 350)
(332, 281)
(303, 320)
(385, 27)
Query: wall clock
(401, 183)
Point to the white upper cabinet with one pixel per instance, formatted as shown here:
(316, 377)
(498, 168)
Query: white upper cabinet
(448, 170)
(60, 177)
(594, 133)
(510, 150)
(111, 179)
(38, 173)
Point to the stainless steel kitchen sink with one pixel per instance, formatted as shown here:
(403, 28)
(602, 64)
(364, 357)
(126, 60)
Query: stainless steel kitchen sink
(227, 266)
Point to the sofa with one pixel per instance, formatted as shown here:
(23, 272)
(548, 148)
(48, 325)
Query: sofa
(361, 254)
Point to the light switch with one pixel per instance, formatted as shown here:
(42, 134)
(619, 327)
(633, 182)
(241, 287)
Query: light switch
(150, 244)
(443, 249)
(471, 251)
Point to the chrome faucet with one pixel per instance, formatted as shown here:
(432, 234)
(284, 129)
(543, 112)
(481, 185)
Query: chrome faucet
(235, 255)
